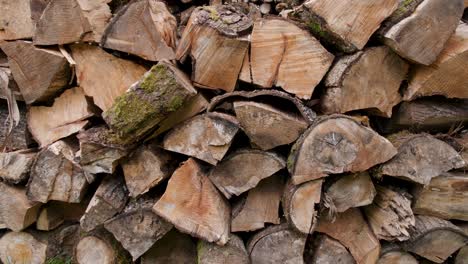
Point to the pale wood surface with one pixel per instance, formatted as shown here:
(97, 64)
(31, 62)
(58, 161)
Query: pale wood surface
(16, 211)
(22, 247)
(16, 20)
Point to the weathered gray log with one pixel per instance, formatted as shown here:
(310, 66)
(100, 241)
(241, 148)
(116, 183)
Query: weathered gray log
(15, 166)
(233, 252)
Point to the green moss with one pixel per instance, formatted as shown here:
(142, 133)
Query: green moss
(58, 260)
(151, 79)
(130, 109)
(404, 7)
(291, 158)
(175, 103)
(213, 13)
(199, 251)
(317, 29)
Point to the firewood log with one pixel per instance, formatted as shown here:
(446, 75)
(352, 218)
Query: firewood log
(244, 169)
(420, 157)
(390, 215)
(19, 138)
(351, 230)
(353, 190)
(285, 55)
(99, 247)
(65, 117)
(173, 248)
(12, 85)
(277, 244)
(233, 252)
(22, 247)
(92, 63)
(128, 31)
(435, 239)
(15, 166)
(445, 197)
(216, 39)
(108, 200)
(299, 202)
(16, 20)
(393, 254)
(16, 211)
(56, 176)
(327, 250)
(462, 140)
(137, 228)
(377, 70)
(98, 14)
(345, 25)
(268, 127)
(259, 207)
(206, 137)
(194, 206)
(443, 77)
(462, 255)
(336, 144)
(49, 218)
(402, 32)
(161, 91)
(40, 73)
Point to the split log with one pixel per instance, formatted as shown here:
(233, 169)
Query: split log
(128, 31)
(285, 55)
(435, 239)
(216, 39)
(108, 200)
(328, 250)
(259, 207)
(97, 13)
(206, 137)
(268, 127)
(353, 190)
(277, 244)
(65, 117)
(173, 248)
(22, 247)
(194, 206)
(16, 211)
(99, 151)
(446, 197)
(233, 252)
(16, 20)
(146, 168)
(15, 166)
(346, 25)
(395, 255)
(137, 228)
(378, 71)
(299, 205)
(244, 169)
(99, 247)
(20, 138)
(49, 218)
(420, 158)
(56, 176)
(443, 77)
(161, 91)
(40, 73)
(351, 229)
(403, 31)
(336, 144)
(390, 215)
(462, 255)
(92, 63)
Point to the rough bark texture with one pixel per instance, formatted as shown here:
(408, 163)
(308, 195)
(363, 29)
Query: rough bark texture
(233, 252)
(15, 166)
(16, 211)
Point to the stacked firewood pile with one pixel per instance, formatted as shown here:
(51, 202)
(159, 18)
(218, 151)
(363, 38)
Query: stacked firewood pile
(270, 131)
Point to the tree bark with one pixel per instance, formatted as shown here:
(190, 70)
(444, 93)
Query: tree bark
(15, 166)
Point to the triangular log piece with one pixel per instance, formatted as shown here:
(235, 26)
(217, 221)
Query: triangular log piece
(16, 20)
(137, 228)
(420, 157)
(216, 39)
(390, 215)
(393, 254)
(266, 126)
(325, 249)
(345, 25)
(56, 176)
(22, 247)
(93, 63)
(15, 166)
(285, 55)
(277, 244)
(336, 144)
(98, 14)
(259, 207)
(233, 252)
(16, 211)
(403, 32)
(161, 91)
(194, 206)
(129, 31)
(50, 217)
(444, 76)
(446, 197)
(40, 73)
(435, 239)
(108, 200)
(244, 169)
(65, 117)
(378, 71)
(351, 229)
(206, 137)
(352, 190)
(299, 205)
(173, 248)
(99, 247)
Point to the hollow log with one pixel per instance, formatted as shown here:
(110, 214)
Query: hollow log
(15, 166)
(16, 20)
(173, 248)
(233, 252)
(16, 211)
